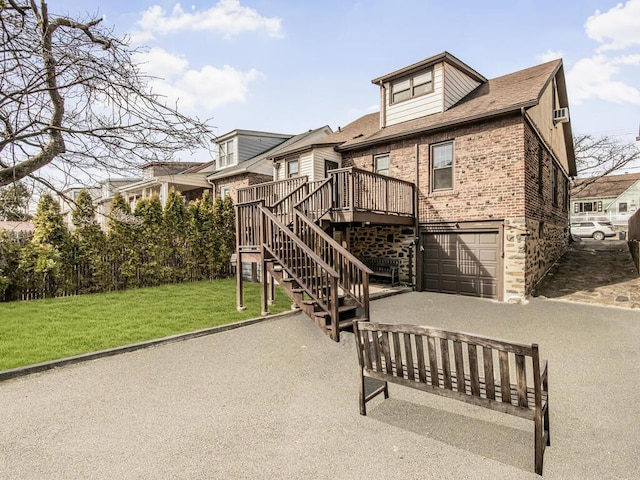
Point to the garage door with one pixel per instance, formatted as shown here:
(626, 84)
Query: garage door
(463, 263)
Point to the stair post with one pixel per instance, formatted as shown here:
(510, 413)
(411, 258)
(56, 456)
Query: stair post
(239, 293)
(264, 295)
(335, 312)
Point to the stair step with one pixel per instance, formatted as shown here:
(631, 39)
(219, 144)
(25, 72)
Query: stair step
(297, 290)
(342, 309)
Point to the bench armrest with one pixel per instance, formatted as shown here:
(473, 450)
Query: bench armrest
(544, 373)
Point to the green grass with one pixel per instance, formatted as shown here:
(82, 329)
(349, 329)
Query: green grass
(41, 330)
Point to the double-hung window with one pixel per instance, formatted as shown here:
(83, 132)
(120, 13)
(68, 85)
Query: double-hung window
(381, 164)
(442, 166)
(293, 168)
(226, 154)
(412, 87)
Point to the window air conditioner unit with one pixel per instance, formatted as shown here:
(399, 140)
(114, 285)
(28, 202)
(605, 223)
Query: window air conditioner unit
(561, 115)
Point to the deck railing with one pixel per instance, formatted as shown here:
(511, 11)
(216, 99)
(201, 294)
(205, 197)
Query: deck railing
(353, 275)
(359, 190)
(248, 226)
(270, 192)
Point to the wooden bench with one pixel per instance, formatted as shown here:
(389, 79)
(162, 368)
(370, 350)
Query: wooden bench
(384, 268)
(496, 374)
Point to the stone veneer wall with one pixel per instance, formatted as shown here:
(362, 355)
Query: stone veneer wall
(545, 245)
(515, 248)
(386, 241)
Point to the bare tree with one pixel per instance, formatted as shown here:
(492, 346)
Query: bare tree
(73, 98)
(600, 156)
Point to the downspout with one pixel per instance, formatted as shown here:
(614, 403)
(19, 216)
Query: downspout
(416, 212)
(383, 105)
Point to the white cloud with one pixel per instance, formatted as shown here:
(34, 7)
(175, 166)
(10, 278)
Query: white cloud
(616, 29)
(207, 88)
(548, 56)
(594, 77)
(227, 17)
(600, 75)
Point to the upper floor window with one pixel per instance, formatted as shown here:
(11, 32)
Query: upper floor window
(293, 168)
(381, 164)
(540, 169)
(587, 207)
(622, 207)
(554, 185)
(442, 166)
(226, 154)
(412, 86)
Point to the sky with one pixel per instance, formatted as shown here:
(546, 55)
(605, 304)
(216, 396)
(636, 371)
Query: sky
(288, 66)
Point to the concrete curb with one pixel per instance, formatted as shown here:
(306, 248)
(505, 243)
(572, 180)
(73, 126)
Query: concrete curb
(85, 357)
(41, 367)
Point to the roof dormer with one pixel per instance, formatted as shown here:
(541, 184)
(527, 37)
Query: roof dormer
(424, 88)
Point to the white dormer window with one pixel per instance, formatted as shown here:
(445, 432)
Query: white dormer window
(412, 87)
(226, 154)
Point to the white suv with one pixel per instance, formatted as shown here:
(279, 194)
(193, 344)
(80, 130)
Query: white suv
(597, 229)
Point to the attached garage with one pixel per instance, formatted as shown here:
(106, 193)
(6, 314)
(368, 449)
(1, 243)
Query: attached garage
(463, 261)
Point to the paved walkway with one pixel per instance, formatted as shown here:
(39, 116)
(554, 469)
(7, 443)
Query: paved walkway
(278, 399)
(596, 272)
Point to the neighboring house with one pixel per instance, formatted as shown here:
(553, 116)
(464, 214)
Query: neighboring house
(242, 161)
(463, 179)
(293, 157)
(159, 178)
(67, 205)
(612, 197)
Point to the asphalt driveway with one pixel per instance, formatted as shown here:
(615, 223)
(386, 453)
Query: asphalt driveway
(278, 399)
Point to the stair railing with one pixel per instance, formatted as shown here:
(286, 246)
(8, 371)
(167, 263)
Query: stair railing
(283, 208)
(353, 275)
(318, 202)
(318, 279)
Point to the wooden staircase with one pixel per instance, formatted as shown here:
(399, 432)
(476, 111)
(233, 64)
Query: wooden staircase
(322, 278)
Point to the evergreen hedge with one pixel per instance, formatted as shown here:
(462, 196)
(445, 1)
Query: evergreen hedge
(150, 246)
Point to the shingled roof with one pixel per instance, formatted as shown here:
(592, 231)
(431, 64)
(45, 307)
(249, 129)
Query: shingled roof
(508, 93)
(609, 186)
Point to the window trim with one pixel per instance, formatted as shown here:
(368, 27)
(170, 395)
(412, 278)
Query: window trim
(225, 192)
(412, 87)
(432, 168)
(375, 163)
(288, 170)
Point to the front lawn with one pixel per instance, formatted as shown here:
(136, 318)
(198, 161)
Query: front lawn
(41, 330)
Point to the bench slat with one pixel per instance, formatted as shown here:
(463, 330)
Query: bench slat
(422, 373)
(521, 375)
(387, 352)
(409, 356)
(473, 369)
(444, 350)
(398, 353)
(504, 376)
(487, 354)
(459, 359)
(433, 361)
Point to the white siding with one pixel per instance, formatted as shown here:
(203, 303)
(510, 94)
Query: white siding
(319, 156)
(456, 85)
(306, 164)
(419, 106)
